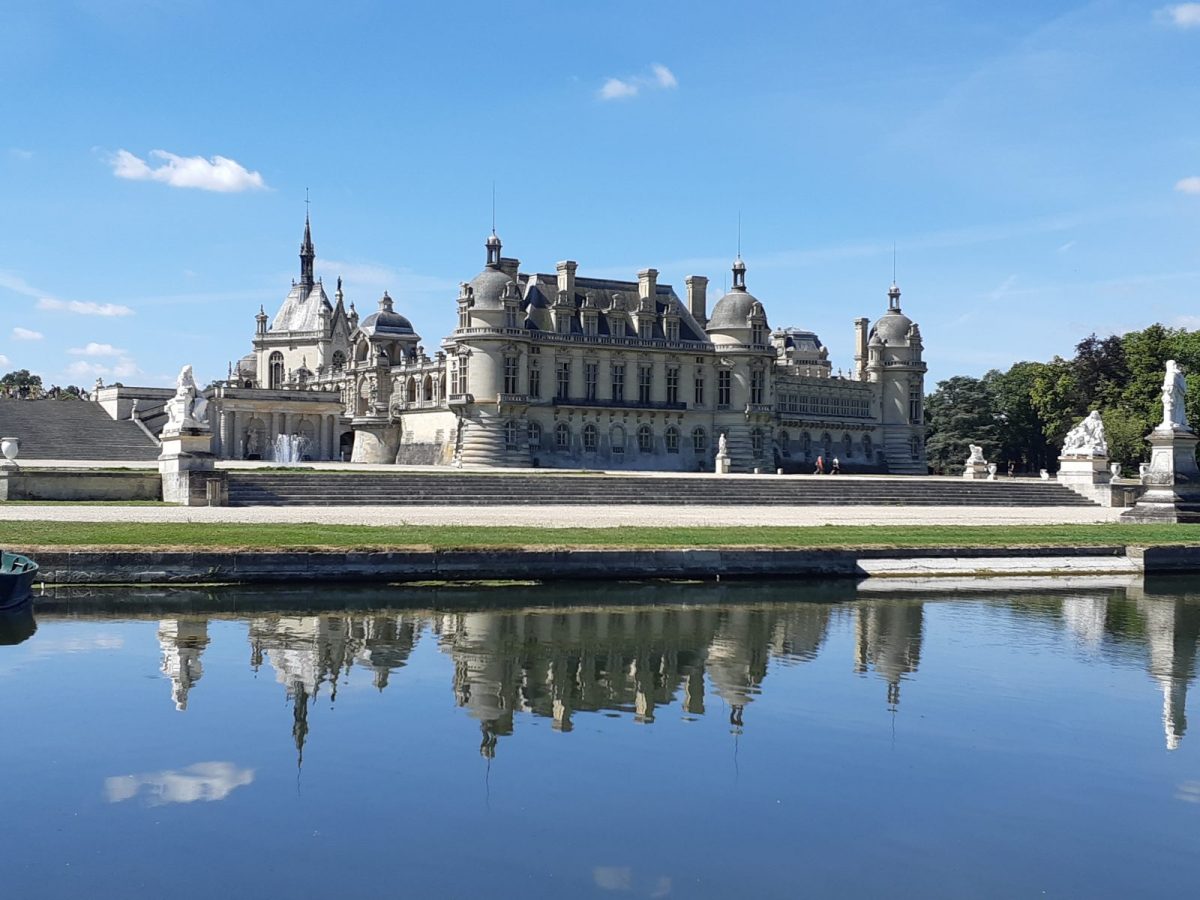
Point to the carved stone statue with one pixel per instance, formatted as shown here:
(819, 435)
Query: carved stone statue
(1087, 438)
(722, 447)
(976, 454)
(1174, 390)
(187, 409)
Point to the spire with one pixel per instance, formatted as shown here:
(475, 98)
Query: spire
(893, 298)
(307, 252)
(739, 274)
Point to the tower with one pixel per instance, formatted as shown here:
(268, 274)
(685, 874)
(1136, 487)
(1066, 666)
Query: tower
(307, 255)
(894, 363)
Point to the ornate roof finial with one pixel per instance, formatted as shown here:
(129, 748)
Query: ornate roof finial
(739, 274)
(307, 252)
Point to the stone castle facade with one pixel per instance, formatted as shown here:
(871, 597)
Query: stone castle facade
(563, 371)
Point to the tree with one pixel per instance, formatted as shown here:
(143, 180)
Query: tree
(1021, 430)
(959, 413)
(21, 384)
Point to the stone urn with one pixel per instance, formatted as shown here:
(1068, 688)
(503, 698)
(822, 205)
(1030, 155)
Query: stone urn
(10, 447)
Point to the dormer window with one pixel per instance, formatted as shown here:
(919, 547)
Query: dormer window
(590, 326)
(645, 328)
(616, 327)
(672, 329)
(758, 334)
(510, 316)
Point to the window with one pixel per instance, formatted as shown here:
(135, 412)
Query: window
(591, 371)
(785, 443)
(563, 386)
(616, 327)
(672, 329)
(510, 316)
(427, 388)
(699, 391)
(756, 441)
(617, 440)
(535, 436)
(847, 445)
(535, 382)
(645, 375)
(589, 438)
(464, 316)
(339, 360)
(914, 405)
(589, 324)
(563, 323)
(699, 440)
(724, 388)
(510, 436)
(672, 384)
(806, 442)
(410, 390)
(868, 450)
(757, 334)
(275, 371)
(826, 443)
(562, 436)
(671, 439)
(510, 374)
(645, 438)
(645, 327)
(618, 382)
(756, 386)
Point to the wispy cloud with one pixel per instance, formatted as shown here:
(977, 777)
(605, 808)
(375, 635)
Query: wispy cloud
(3, 360)
(379, 276)
(205, 781)
(1189, 185)
(26, 334)
(659, 78)
(123, 367)
(1066, 247)
(94, 349)
(84, 307)
(19, 153)
(219, 173)
(1181, 15)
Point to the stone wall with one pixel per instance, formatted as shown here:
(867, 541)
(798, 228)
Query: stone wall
(64, 484)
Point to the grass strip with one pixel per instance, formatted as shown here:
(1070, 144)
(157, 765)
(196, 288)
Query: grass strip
(234, 536)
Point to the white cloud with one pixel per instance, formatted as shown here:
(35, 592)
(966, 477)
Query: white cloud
(94, 349)
(378, 276)
(206, 781)
(123, 367)
(1189, 185)
(1181, 15)
(220, 173)
(3, 360)
(660, 78)
(84, 307)
(26, 334)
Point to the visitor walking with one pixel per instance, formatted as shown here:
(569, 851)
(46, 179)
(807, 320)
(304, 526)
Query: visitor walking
(820, 469)
(1011, 468)
(837, 467)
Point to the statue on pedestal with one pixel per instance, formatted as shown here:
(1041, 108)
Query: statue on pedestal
(187, 409)
(1174, 390)
(1087, 438)
(976, 455)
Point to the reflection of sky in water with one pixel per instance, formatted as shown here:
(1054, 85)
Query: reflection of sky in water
(980, 745)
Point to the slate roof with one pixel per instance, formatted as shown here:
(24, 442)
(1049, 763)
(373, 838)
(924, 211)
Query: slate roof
(301, 308)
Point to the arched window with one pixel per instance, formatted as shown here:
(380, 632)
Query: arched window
(785, 443)
(511, 442)
(562, 436)
(275, 371)
(699, 440)
(339, 360)
(672, 439)
(645, 438)
(806, 442)
(590, 436)
(535, 436)
(616, 439)
(410, 390)
(756, 441)
(427, 392)
(847, 445)
(868, 448)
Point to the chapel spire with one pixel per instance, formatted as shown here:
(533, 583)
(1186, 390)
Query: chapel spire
(307, 255)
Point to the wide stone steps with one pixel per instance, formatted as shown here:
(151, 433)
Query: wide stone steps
(433, 489)
(72, 429)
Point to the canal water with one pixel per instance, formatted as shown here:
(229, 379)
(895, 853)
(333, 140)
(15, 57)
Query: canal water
(672, 740)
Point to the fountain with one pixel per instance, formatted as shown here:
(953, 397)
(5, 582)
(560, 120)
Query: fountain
(291, 448)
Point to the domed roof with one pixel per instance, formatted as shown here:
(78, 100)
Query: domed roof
(733, 310)
(386, 322)
(892, 327)
(488, 288)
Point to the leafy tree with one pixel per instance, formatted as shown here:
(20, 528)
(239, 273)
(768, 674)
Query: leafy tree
(1021, 434)
(959, 413)
(21, 384)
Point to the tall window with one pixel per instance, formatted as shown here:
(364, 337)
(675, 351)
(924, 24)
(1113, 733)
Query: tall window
(616, 439)
(672, 329)
(699, 440)
(645, 327)
(616, 327)
(535, 436)
(563, 385)
(699, 392)
(510, 316)
(589, 438)
(564, 323)
(275, 371)
(868, 448)
(618, 382)
(644, 381)
(847, 445)
(591, 372)
(914, 405)
(756, 441)
(462, 375)
(724, 388)
(511, 443)
(672, 384)
(671, 439)
(785, 443)
(562, 436)
(535, 381)
(645, 438)
(510, 374)
(756, 386)
(589, 324)
(757, 334)
(464, 316)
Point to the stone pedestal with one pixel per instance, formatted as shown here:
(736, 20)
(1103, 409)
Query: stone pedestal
(1172, 480)
(185, 458)
(722, 464)
(975, 470)
(1084, 470)
(375, 441)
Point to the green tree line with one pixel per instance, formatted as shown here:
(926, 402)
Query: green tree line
(1021, 416)
(22, 385)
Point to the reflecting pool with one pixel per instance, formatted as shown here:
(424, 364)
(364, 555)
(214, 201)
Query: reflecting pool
(642, 740)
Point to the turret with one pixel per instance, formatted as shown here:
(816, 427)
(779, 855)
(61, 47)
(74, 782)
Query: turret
(307, 255)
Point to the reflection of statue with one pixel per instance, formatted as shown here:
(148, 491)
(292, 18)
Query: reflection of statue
(976, 454)
(187, 409)
(1087, 438)
(722, 447)
(1174, 389)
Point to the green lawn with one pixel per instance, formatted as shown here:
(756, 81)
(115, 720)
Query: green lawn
(29, 535)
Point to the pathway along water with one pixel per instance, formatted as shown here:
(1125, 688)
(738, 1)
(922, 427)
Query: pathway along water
(754, 739)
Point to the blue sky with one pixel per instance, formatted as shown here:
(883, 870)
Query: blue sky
(1036, 165)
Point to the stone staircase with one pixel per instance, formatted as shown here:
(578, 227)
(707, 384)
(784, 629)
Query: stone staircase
(251, 488)
(72, 429)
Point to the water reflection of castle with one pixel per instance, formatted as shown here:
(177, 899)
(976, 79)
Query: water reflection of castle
(638, 660)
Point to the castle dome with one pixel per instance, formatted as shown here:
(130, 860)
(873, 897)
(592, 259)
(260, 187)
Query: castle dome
(892, 327)
(386, 322)
(735, 308)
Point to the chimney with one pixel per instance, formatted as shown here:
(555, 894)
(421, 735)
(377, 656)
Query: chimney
(510, 266)
(647, 283)
(566, 277)
(697, 294)
(860, 348)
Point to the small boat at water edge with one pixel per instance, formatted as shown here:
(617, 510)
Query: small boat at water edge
(16, 580)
